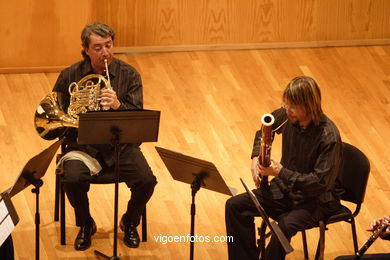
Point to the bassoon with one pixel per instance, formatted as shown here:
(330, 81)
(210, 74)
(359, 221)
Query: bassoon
(267, 120)
(267, 136)
(374, 235)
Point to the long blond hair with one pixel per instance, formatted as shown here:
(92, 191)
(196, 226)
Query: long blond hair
(304, 91)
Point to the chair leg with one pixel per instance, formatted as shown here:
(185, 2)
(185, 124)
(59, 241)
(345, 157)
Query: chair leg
(261, 240)
(304, 241)
(353, 227)
(62, 214)
(321, 242)
(57, 191)
(144, 227)
(57, 198)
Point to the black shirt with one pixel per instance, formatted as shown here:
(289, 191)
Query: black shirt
(311, 158)
(125, 81)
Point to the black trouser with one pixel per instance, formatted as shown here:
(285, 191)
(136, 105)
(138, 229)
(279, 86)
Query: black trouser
(240, 212)
(7, 249)
(133, 170)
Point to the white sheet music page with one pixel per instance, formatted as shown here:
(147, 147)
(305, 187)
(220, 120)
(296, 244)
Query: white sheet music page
(6, 223)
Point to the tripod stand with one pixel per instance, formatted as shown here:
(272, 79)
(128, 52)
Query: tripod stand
(116, 143)
(37, 183)
(195, 186)
(116, 128)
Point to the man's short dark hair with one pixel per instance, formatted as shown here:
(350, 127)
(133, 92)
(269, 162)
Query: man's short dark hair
(97, 28)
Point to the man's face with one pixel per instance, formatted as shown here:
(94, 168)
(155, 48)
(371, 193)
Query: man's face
(295, 113)
(99, 49)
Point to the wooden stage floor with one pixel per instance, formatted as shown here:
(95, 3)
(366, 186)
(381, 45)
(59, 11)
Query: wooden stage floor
(211, 103)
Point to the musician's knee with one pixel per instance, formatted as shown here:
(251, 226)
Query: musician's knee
(149, 181)
(289, 228)
(232, 205)
(75, 171)
(143, 184)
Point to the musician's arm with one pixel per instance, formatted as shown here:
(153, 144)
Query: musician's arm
(61, 87)
(133, 98)
(256, 145)
(326, 169)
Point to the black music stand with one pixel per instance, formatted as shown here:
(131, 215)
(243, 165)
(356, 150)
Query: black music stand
(118, 127)
(32, 173)
(275, 229)
(198, 173)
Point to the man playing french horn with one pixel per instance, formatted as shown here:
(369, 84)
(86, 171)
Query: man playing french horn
(124, 91)
(303, 190)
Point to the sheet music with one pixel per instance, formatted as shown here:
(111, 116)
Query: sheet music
(6, 223)
(3, 210)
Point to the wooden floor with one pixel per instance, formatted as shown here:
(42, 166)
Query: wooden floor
(211, 104)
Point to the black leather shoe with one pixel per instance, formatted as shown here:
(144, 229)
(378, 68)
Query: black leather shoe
(131, 237)
(83, 239)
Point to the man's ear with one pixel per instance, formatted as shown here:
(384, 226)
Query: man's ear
(86, 50)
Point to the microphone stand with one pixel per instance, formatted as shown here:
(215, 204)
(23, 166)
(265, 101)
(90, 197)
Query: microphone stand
(115, 140)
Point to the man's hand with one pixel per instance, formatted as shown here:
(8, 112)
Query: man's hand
(109, 99)
(255, 171)
(377, 222)
(259, 170)
(272, 170)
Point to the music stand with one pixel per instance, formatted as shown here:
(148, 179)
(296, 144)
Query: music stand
(275, 229)
(118, 127)
(195, 172)
(32, 173)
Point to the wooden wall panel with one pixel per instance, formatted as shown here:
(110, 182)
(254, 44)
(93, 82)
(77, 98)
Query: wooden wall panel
(226, 22)
(44, 34)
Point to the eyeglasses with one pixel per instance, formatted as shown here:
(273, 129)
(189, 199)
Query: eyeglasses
(292, 108)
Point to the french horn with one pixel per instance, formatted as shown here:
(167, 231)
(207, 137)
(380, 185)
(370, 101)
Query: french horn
(52, 122)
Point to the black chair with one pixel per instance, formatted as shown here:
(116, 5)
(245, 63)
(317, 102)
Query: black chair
(59, 205)
(354, 181)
